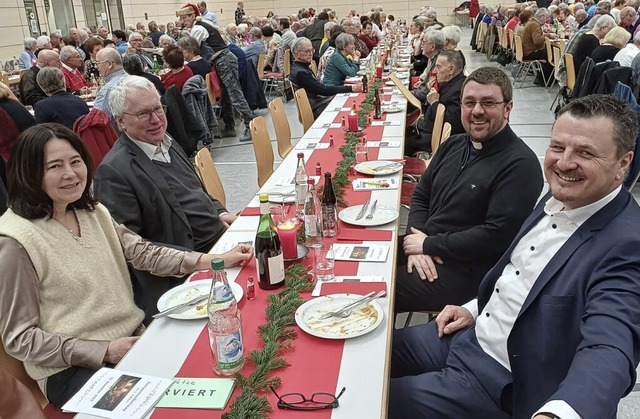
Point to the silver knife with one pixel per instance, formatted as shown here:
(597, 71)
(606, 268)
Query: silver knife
(363, 210)
(373, 209)
(181, 307)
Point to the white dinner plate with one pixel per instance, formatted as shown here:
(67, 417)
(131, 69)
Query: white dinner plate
(367, 167)
(383, 215)
(392, 109)
(402, 74)
(189, 291)
(362, 320)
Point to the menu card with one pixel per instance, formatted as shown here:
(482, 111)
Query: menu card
(314, 144)
(367, 184)
(113, 393)
(361, 252)
(328, 125)
(383, 144)
(385, 123)
(198, 393)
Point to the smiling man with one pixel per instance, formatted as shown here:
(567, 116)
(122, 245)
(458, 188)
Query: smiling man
(554, 332)
(469, 203)
(149, 185)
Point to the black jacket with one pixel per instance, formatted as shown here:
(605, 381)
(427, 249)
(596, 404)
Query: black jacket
(471, 212)
(315, 33)
(30, 92)
(62, 107)
(450, 98)
(302, 78)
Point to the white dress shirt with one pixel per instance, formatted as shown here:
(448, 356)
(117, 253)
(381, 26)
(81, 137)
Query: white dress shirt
(155, 152)
(528, 258)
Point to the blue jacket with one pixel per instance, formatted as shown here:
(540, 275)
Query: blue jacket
(338, 69)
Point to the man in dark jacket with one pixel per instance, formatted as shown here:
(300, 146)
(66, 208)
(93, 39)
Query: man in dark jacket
(470, 201)
(315, 33)
(449, 82)
(303, 78)
(30, 92)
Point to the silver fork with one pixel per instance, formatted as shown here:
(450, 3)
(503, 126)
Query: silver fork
(346, 312)
(373, 209)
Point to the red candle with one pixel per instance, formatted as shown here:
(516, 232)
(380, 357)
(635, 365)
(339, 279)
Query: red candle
(379, 71)
(288, 239)
(353, 122)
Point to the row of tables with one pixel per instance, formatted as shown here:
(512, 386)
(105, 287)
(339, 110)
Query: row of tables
(174, 348)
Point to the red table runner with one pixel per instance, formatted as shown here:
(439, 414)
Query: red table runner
(314, 363)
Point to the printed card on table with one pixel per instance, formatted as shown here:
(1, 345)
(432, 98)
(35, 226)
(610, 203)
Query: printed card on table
(339, 109)
(368, 184)
(312, 145)
(386, 124)
(328, 125)
(198, 393)
(383, 144)
(113, 393)
(338, 279)
(349, 94)
(361, 253)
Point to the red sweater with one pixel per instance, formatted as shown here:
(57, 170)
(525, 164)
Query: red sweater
(73, 80)
(178, 79)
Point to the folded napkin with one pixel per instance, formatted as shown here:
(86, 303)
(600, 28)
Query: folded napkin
(364, 234)
(248, 211)
(360, 288)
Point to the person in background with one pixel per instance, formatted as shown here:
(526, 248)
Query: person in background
(70, 63)
(179, 73)
(120, 39)
(343, 63)
(28, 57)
(149, 185)
(191, 50)
(61, 106)
(135, 42)
(67, 303)
(166, 41)
(43, 42)
(109, 63)
(30, 92)
(302, 77)
(367, 36)
(315, 32)
(611, 44)
(239, 14)
(272, 40)
(627, 54)
(353, 26)
(133, 65)
(14, 119)
(256, 46)
(591, 39)
(206, 14)
(92, 46)
(533, 42)
(56, 42)
(103, 33)
(231, 36)
(154, 33)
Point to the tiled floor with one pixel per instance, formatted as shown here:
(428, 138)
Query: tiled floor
(531, 119)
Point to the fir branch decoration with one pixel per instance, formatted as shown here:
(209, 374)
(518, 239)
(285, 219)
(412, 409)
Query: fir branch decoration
(277, 336)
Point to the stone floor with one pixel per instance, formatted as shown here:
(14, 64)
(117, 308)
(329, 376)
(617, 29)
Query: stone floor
(531, 119)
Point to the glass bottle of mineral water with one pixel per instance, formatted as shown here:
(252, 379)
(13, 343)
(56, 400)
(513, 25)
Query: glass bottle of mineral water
(225, 327)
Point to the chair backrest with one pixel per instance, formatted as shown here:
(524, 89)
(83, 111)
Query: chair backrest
(446, 132)
(304, 109)
(405, 92)
(97, 134)
(286, 70)
(509, 38)
(438, 124)
(519, 54)
(281, 126)
(556, 62)
(15, 368)
(547, 45)
(209, 175)
(570, 69)
(262, 148)
(313, 67)
(4, 77)
(210, 91)
(262, 61)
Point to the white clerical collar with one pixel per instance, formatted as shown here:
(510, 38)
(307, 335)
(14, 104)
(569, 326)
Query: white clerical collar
(582, 214)
(477, 145)
(150, 149)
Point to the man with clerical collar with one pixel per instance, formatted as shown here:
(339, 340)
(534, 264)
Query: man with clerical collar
(555, 330)
(469, 203)
(149, 185)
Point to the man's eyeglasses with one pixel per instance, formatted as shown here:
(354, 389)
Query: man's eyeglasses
(485, 104)
(317, 401)
(146, 116)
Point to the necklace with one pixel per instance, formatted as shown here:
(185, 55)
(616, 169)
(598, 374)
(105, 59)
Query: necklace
(80, 240)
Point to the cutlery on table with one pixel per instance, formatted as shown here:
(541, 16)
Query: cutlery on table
(373, 209)
(363, 210)
(388, 166)
(181, 307)
(348, 309)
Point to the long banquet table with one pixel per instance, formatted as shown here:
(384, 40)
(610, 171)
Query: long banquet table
(175, 348)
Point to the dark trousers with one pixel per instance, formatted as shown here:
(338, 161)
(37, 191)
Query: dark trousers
(65, 384)
(455, 285)
(231, 92)
(445, 378)
(547, 68)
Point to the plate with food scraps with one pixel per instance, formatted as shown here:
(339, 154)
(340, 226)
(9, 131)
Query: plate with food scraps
(392, 109)
(378, 167)
(364, 319)
(189, 291)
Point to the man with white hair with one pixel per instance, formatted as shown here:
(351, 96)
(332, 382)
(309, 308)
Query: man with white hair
(30, 92)
(632, 3)
(627, 54)
(56, 39)
(148, 184)
(103, 33)
(135, 47)
(214, 49)
(71, 62)
(109, 62)
(43, 42)
(256, 45)
(582, 18)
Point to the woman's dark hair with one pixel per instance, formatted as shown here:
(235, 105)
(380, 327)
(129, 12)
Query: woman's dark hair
(68, 40)
(91, 43)
(375, 18)
(132, 64)
(267, 31)
(173, 56)
(25, 171)
(120, 34)
(525, 16)
(323, 16)
(367, 23)
(334, 35)
(363, 19)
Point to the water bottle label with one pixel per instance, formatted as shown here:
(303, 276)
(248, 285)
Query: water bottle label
(276, 269)
(222, 293)
(310, 227)
(230, 350)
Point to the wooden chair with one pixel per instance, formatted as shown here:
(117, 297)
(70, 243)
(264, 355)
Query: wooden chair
(570, 69)
(281, 126)
(209, 175)
(4, 78)
(304, 109)
(446, 132)
(314, 68)
(549, 48)
(15, 367)
(286, 72)
(262, 148)
(414, 116)
(438, 125)
(210, 92)
(525, 65)
(268, 80)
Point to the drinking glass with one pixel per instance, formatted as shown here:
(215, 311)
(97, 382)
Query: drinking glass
(325, 263)
(362, 153)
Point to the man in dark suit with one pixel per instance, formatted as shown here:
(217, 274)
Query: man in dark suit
(149, 185)
(30, 92)
(555, 331)
(449, 81)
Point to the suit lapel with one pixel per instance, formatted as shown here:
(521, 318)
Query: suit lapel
(142, 160)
